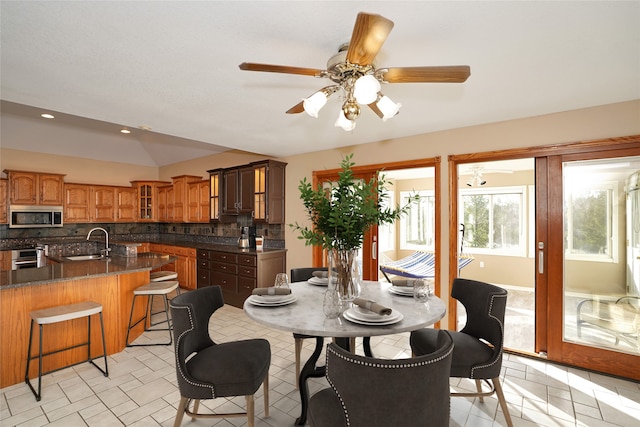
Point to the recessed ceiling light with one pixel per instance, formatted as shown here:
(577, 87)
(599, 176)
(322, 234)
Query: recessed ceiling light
(47, 116)
(125, 131)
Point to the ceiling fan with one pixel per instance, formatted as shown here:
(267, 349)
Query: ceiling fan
(354, 73)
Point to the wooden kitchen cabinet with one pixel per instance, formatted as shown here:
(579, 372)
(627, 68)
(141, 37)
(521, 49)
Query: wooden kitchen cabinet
(198, 201)
(269, 191)
(33, 188)
(184, 265)
(148, 199)
(181, 196)
(165, 203)
(5, 260)
(4, 217)
(77, 201)
(126, 204)
(237, 190)
(103, 203)
(238, 273)
(84, 203)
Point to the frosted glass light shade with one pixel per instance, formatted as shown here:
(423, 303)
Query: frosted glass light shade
(366, 89)
(388, 107)
(345, 123)
(313, 104)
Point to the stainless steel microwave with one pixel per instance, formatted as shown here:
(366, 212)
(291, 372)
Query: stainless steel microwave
(21, 216)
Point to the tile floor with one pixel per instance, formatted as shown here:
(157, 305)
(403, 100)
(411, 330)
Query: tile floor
(141, 389)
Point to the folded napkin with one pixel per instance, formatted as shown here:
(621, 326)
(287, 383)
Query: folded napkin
(402, 282)
(271, 291)
(320, 274)
(372, 306)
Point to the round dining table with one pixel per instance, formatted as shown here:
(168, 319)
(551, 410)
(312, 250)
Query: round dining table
(305, 316)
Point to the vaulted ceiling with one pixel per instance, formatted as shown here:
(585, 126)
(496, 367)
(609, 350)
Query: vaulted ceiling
(169, 72)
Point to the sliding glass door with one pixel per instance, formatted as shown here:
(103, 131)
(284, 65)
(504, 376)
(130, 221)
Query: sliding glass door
(592, 245)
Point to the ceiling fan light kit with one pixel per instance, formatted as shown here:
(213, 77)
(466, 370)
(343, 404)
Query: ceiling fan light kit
(354, 74)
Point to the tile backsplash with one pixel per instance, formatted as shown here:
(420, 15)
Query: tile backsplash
(74, 234)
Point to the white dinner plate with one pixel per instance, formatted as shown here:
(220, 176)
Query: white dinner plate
(272, 298)
(318, 281)
(405, 291)
(261, 301)
(364, 314)
(394, 317)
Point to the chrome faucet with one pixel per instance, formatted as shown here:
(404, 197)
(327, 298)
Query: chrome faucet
(107, 249)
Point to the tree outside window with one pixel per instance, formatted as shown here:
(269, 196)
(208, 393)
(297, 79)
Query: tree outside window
(589, 221)
(493, 220)
(417, 227)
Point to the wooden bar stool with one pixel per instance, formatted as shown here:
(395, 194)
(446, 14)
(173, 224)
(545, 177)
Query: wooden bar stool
(162, 276)
(150, 290)
(62, 314)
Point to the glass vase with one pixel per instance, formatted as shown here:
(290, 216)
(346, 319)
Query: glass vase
(331, 305)
(344, 272)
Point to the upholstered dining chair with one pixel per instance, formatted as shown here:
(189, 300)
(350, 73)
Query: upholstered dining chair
(371, 392)
(477, 350)
(209, 370)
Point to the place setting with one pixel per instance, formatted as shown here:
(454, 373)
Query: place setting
(367, 312)
(420, 289)
(275, 296)
(319, 278)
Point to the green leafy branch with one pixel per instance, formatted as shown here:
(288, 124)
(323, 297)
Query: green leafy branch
(343, 212)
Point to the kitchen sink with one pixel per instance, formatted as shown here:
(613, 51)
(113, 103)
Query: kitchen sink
(84, 257)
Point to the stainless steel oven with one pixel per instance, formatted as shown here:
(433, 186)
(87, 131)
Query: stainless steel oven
(28, 258)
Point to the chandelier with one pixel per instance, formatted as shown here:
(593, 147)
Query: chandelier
(359, 85)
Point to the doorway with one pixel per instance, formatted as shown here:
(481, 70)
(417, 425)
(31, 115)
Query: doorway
(384, 242)
(496, 210)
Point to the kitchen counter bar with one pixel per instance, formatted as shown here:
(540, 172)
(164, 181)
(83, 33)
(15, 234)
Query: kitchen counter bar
(109, 283)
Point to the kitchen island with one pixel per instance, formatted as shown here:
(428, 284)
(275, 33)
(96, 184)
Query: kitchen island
(108, 282)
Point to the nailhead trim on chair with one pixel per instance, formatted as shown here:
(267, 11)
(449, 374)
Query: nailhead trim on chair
(182, 374)
(375, 365)
(501, 343)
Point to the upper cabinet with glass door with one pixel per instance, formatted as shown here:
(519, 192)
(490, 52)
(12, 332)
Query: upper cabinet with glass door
(269, 191)
(148, 199)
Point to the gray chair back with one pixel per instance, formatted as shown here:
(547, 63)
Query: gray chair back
(375, 392)
(485, 305)
(304, 273)
(191, 312)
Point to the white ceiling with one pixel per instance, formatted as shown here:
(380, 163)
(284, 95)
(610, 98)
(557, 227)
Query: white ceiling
(173, 66)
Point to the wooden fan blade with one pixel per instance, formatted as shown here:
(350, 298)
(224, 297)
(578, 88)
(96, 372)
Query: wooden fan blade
(250, 66)
(445, 74)
(369, 33)
(376, 110)
(298, 108)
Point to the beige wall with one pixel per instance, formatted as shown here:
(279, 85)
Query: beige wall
(202, 165)
(78, 170)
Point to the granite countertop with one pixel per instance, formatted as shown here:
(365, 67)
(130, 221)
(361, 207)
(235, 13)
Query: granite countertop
(200, 245)
(70, 270)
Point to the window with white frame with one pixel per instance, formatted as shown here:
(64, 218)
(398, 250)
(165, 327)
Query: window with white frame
(590, 218)
(494, 220)
(417, 227)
